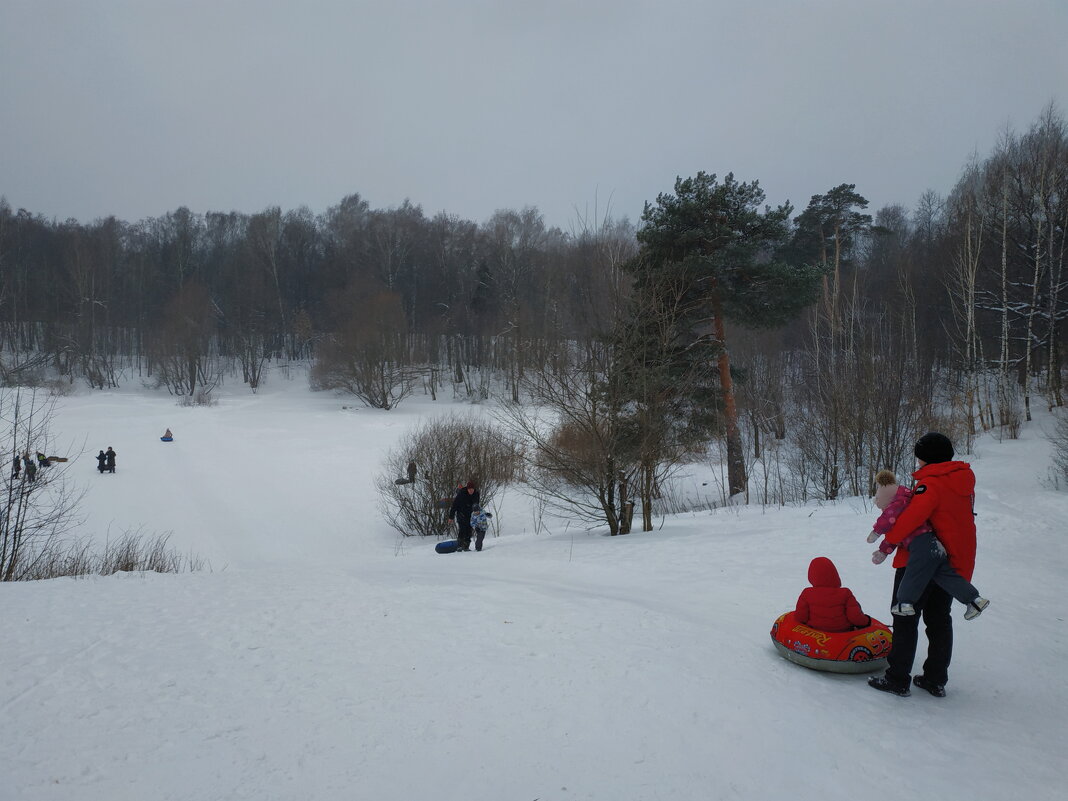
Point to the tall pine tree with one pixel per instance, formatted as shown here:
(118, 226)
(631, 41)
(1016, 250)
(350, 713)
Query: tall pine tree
(717, 239)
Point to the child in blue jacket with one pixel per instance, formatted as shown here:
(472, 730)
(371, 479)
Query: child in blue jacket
(479, 522)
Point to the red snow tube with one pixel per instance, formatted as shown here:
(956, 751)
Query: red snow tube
(856, 651)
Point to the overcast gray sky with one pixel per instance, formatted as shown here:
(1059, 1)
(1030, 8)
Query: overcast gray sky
(136, 108)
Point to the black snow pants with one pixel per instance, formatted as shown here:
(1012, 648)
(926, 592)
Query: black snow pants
(463, 539)
(933, 605)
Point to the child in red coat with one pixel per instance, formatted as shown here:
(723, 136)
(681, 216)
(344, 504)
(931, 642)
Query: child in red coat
(827, 605)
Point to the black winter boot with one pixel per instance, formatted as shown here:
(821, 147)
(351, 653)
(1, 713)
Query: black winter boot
(887, 686)
(937, 690)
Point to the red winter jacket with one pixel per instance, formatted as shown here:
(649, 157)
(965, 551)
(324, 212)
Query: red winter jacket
(944, 496)
(827, 605)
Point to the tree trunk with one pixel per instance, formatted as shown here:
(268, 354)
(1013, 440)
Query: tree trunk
(1003, 369)
(626, 508)
(736, 477)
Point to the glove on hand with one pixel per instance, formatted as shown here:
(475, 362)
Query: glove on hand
(873, 536)
(878, 557)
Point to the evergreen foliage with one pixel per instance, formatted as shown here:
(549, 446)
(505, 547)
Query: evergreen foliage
(722, 250)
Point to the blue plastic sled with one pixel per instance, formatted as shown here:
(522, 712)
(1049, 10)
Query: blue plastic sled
(448, 546)
(166, 439)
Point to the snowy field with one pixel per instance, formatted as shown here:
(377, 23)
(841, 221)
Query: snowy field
(324, 657)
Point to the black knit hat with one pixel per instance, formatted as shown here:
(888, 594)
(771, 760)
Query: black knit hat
(934, 448)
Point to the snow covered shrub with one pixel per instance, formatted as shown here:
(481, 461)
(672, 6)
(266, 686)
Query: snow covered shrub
(133, 552)
(180, 353)
(37, 505)
(367, 370)
(199, 398)
(447, 451)
(368, 353)
(59, 387)
(860, 408)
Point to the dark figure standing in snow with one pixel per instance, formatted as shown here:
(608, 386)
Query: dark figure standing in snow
(101, 461)
(467, 498)
(31, 468)
(944, 496)
(109, 457)
(411, 472)
(16, 467)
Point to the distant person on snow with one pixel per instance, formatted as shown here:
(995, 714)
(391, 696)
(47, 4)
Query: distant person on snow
(412, 469)
(16, 467)
(109, 459)
(42, 460)
(827, 605)
(480, 523)
(926, 555)
(467, 498)
(167, 434)
(101, 461)
(31, 468)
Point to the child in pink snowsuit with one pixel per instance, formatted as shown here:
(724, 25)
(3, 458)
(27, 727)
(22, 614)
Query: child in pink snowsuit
(892, 500)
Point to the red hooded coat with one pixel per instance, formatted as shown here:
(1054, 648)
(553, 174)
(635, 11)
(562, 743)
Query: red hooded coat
(944, 496)
(827, 605)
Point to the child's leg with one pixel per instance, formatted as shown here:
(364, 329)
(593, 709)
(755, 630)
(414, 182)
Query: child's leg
(952, 582)
(921, 568)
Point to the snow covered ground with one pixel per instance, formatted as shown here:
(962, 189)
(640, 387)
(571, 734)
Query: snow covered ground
(324, 657)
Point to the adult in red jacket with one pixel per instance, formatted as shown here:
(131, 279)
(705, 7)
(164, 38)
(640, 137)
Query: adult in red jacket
(827, 605)
(944, 495)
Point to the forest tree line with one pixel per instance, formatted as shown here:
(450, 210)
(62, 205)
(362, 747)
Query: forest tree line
(945, 314)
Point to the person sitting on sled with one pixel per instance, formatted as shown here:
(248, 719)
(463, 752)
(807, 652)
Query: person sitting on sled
(927, 558)
(827, 605)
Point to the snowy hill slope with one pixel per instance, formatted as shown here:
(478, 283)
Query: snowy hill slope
(325, 658)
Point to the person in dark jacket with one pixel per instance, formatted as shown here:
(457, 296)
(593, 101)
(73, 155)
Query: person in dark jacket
(827, 605)
(109, 459)
(944, 495)
(16, 467)
(101, 461)
(467, 498)
(30, 467)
